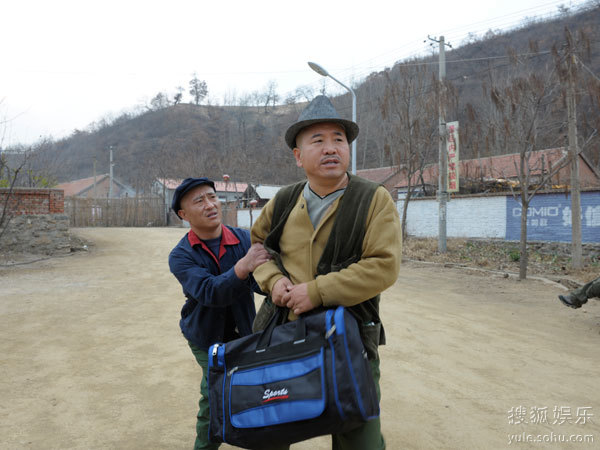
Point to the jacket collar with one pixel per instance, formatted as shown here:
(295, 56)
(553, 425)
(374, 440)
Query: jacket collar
(227, 238)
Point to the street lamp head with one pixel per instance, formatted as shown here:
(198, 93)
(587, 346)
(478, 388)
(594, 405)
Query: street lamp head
(317, 68)
(321, 71)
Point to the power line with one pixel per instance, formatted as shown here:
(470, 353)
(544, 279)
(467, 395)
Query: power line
(508, 25)
(469, 29)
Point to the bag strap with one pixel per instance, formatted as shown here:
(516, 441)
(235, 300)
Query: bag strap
(285, 200)
(277, 319)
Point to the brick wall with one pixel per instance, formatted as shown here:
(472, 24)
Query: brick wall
(28, 201)
(36, 222)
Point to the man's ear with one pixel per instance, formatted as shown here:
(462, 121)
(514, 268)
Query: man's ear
(297, 153)
(181, 214)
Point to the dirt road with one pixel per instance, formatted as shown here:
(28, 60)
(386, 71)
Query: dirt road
(92, 356)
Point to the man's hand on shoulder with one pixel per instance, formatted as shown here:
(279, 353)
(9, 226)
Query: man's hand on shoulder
(255, 256)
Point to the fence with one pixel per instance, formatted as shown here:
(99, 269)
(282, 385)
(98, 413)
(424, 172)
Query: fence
(115, 212)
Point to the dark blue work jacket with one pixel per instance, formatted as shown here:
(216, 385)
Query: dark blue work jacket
(211, 285)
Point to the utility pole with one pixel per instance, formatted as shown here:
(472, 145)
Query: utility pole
(442, 193)
(95, 178)
(576, 257)
(110, 186)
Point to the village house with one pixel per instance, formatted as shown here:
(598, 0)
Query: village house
(96, 187)
(227, 191)
(389, 177)
(262, 193)
(499, 173)
(230, 193)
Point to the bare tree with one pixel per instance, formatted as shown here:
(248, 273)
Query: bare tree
(306, 93)
(290, 99)
(525, 108)
(178, 97)
(407, 107)
(12, 164)
(270, 97)
(198, 89)
(159, 101)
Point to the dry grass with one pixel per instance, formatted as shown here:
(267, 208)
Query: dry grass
(497, 255)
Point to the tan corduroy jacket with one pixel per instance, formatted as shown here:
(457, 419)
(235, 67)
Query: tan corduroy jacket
(302, 245)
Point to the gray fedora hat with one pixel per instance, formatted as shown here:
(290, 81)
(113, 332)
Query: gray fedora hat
(319, 109)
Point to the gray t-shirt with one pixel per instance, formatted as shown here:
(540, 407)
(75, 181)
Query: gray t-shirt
(317, 206)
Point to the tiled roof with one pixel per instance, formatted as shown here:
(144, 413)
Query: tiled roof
(170, 183)
(379, 174)
(220, 186)
(503, 166)
(230, 186)
(75, 187)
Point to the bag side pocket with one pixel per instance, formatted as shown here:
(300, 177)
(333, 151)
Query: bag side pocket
(370, 334)
(263, 316)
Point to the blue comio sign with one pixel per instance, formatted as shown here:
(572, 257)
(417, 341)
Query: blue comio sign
(549, 218)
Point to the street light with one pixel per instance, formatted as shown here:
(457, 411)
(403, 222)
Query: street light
(253, 203)
(321, 71)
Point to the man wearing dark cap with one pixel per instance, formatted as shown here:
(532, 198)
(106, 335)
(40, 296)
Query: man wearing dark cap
(335, 240)
(213, 263)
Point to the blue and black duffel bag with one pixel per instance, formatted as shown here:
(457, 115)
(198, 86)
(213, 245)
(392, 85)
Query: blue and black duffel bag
(291, 382)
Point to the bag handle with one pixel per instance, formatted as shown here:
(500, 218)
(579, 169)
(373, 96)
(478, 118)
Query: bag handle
(277, 319)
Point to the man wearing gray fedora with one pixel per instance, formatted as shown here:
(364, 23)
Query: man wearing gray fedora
(335, 240)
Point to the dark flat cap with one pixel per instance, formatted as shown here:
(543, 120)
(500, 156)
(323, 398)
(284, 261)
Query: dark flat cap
(319, 110)
(184, 187)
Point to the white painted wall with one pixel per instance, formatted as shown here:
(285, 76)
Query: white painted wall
(486, 217)
(465, 217)
(243, 217)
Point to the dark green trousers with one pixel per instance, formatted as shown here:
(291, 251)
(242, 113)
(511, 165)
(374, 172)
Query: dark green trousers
(365, 437)
(203, 411)
(588, 290)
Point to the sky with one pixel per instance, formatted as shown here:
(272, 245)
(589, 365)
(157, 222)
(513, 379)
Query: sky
(66, 64)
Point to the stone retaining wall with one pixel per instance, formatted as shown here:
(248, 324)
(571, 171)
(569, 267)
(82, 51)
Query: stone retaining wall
(40, 234)
(588, 250)
(36, 222)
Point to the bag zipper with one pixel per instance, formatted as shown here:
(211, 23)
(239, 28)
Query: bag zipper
(273, 361)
